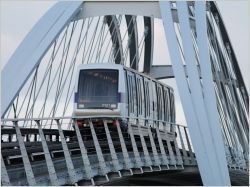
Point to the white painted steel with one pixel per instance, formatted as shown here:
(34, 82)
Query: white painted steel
(163, 153)
(27, 166)
(198, 144)
(98, 149)
(124, 148)
(49, 162)
(85, 158)
(138, 161)
(170, 150)
(165, 71)
(191, 153)
(115, 161)
(69, 163)
(184, 151)
(179, 160)
(144, 146)
(208, 87)
(4, 174)
(196, 92)
(197, 97)
(157, 161)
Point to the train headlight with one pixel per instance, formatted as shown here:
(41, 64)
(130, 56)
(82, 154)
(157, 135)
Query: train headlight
(113, 105)
(81, 105)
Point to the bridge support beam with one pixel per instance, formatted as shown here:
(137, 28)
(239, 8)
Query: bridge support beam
(4, 174)
(163, 153)
(98, 149)
(69, 163)
(178, 154)
(157, 161)
(206, 142)
(50, 165)
(170, 150)
(124, 148)
(115, 161)
(186, 161)
(138, 161)
(189, 147)
(85, 158)
(27, 166)
(145, 149)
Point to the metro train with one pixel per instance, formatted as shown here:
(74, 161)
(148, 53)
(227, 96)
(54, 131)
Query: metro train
(106, 90)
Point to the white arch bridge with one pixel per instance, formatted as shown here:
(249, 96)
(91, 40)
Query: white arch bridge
(41, 143)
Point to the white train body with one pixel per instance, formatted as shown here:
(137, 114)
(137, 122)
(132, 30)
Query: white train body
(105, 90)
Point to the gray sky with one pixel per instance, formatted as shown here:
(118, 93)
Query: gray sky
(18, 17)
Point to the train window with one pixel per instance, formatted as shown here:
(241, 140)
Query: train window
(147, 98)
(166, 104)
(134, 93)
(159, 101)
(127, 91)
(154, 96)
(98, 88)
(169, 107)
(145, 84)
(139, 95)
(142, 95)
(172, 107)
(129, 94)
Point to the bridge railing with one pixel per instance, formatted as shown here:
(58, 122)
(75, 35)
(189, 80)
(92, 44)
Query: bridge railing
(122, 146)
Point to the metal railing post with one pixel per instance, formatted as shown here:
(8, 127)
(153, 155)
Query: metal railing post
(112, 149)
(135, 149)
(189, 147)
(163, 153)
(51, 169)
(99, 151)
(156, 156)
(186, 161)
(145, 149)
(69, 163)
(27, 166)
(4, 174)
(84, 154)
(124, 148)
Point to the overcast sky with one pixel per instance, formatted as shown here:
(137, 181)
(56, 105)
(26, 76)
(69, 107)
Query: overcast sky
(18, 17)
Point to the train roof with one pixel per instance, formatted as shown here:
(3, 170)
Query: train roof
(120, 67)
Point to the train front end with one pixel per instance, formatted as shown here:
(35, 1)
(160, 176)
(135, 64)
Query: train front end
(98, 91)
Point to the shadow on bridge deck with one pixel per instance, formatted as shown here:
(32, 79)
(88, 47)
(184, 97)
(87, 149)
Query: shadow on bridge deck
(189, 177)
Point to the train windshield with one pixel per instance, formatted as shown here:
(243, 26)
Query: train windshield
(98, 88)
